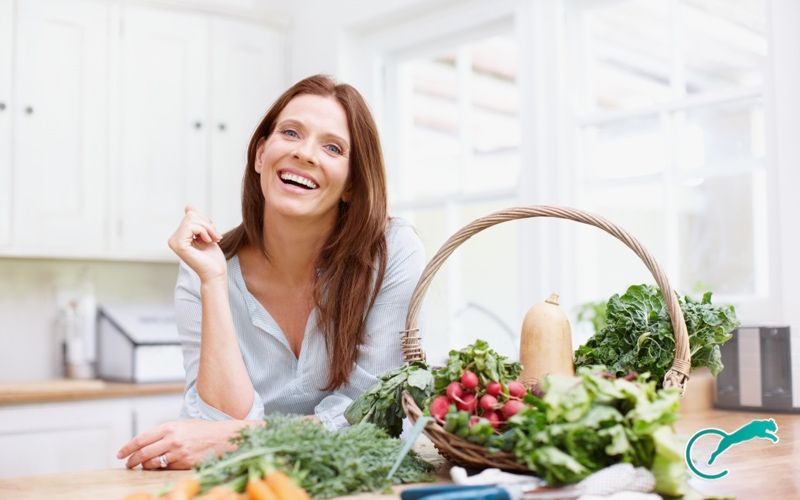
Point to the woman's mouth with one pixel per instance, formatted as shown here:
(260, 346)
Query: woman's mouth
(293, 179)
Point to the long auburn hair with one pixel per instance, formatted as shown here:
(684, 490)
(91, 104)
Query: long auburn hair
(353, 259)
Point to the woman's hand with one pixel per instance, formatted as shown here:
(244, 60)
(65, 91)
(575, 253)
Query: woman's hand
(183, 443)
(195, 242)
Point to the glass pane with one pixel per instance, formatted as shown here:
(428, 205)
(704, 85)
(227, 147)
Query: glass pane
(724, 43)
(605, 266)
(628, 53)
(459, 124)
(488, 276)
(430, 146)
(626, 149)
(721, 138)
(719, 234)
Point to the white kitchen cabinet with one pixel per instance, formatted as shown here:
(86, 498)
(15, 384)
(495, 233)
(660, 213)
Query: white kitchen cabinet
(74, 436)
(164, 144)
(60, 122)
(62, 437)
(6, 53)
(247, 75)
(193, 90)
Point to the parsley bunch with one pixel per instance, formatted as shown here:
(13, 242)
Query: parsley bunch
(325, 463)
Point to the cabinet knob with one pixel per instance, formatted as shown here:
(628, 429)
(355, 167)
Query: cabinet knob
(222, 127)
(28, 110)
(198, 125)
(2, 106)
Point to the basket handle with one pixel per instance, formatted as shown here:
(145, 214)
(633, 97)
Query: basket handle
(677, 376)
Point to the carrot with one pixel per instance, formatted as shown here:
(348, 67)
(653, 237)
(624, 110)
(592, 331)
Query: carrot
(216, 493)
(185, 489)
(284, 487)
(259, 490)
(139, 495)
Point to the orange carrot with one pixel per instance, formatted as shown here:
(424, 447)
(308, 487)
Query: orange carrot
(284, 487)
(259, 490)
(185, 489)
(139, 495)
(216, 493)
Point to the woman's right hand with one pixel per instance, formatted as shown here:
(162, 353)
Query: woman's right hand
(196, 243)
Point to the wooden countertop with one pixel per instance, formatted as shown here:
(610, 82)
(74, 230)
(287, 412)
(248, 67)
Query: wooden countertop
(757, 468)
(49, 391)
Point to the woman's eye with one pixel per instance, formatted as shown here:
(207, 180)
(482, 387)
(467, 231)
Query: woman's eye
(289, 132)
(333, 148)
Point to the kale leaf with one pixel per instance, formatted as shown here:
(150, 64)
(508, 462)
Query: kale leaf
(638, 333)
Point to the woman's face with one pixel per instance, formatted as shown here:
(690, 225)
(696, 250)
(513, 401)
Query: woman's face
(304, 164)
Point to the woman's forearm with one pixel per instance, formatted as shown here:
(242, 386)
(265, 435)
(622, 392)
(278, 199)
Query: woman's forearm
(222, 379)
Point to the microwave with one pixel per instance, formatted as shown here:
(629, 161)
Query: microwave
(761, 370)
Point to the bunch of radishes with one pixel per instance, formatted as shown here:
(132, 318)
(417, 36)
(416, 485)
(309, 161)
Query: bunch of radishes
(492, 402)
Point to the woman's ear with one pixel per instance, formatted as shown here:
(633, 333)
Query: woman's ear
(260, 154)
(347, 193)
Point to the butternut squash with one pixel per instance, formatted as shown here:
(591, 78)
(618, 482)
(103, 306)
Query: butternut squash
(546, 342)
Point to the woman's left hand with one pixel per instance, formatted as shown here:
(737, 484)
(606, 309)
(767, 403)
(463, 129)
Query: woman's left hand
(182, 443)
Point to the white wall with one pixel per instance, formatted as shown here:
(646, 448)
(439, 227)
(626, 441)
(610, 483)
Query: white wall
(29, 290)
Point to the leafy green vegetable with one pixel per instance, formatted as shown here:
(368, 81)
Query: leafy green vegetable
(480, 359)
(325, 463)
(638, 333)
(585, 423)
(381, 405)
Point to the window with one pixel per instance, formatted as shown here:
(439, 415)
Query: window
(670, 142)
(456, 144)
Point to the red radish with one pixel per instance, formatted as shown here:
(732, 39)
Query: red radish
(494, 389)
(469, 380)
(468, 403)
(512, 407)
(516, 389)
(474, 420)
(439, 407)
(454, 391)
(493, 417)
(488, 402)
(537, 391)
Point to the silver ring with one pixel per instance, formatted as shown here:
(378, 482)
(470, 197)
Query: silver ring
(162, 461)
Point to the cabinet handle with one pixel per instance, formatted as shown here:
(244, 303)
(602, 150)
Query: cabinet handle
(198, 125)
(222, 127)
(2, 106)
(28, 110)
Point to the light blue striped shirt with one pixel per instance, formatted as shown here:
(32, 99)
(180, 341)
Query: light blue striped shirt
(287, 384)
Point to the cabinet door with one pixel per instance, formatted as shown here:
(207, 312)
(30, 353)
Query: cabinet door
(163, 157)
(6, 40)
(63, 437)
(247, 75)
(60, 125)
(155, 410)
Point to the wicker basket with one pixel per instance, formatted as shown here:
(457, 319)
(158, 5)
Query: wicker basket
(463, 452)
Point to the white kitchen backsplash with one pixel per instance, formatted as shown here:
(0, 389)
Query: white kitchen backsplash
(30, 292)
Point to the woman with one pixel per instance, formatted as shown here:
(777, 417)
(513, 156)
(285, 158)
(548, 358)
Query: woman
(299, 308)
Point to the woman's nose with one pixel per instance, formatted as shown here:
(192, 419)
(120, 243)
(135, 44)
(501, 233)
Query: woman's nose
(305, 152)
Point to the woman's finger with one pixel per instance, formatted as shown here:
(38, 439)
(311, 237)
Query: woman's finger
(155, 462)
(144, 439)
(200, 233)
(206, 223)
(145, 455)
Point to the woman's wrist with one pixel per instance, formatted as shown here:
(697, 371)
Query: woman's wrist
(219, 282)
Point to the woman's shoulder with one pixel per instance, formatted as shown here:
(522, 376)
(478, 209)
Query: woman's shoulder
(401, 237)
(402, 243)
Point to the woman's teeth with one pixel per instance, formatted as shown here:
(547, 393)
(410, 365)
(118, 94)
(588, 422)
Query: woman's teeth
(296, 179)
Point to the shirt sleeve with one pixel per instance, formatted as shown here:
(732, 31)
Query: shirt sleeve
(188, 318)
(380, 350)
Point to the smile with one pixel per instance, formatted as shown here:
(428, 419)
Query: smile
(297, 180)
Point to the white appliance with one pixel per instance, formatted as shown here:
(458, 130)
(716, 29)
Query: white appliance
(138, 344)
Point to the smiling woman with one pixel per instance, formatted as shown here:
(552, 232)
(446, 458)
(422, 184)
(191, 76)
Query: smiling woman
(298, 309)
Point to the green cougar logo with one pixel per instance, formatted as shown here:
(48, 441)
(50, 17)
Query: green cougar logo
(765, 429)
